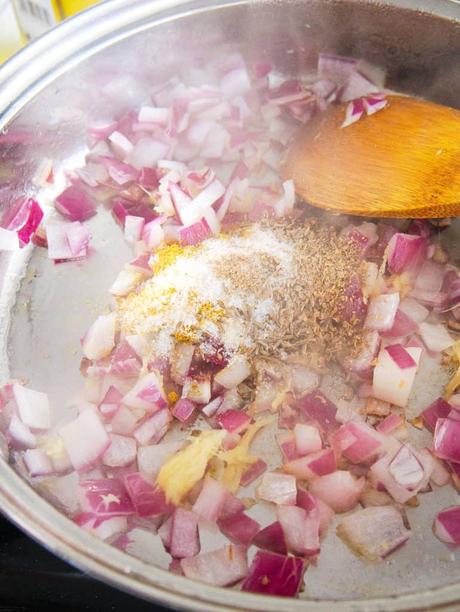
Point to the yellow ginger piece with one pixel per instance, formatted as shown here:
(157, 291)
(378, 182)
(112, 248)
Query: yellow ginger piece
(184, 469)
(238, 459)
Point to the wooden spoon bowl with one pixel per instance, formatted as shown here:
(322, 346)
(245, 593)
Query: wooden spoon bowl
(403, 161)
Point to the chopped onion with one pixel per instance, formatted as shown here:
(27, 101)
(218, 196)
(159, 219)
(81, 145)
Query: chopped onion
(85, 439)
(105, 497)
(239, 528)
(273, 574)
(315, 406)
(37, 462)
(381, 312)
(435, 336)
(151, 458)
(147, 500)
(195, 233)
(62, 239)
(374, 532)
(183, 410)
(278, 488)
(300, 528)
(358, 442)
(197, 390)
(154, 428)
(21, 434)
(354, 111)
(222, 567)
(307, 438)
(337, 68)
(74, 204)
(446, 439)
(358, 86)
(405, 252)
(313, 465)
(133, 228)
(253, 472)
(33, 406)
(121, 452)
(437, 410)
(271, 538)
(184, 539)
(234, 373)
(147, 394)
(234, 421)
(99, 340)
(391, 383)
(446, 526)
(390, 423)
(340, 490)
(19, 222)
(400, 356)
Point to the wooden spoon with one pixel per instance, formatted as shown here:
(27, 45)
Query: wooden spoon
(403, 161)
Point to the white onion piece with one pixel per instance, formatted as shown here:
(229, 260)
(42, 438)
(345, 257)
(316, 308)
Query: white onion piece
(406, 469)
(99, 340)
(151, 114)
(235, 83)
(391, 383)
(37, 462)
(147, 393)
(278, 488)
(381, 312)
(33, 406)
(147, 152)
(435, 336)
(126, 281)
(340, 490)
(181, 360)
(21, 434)
(301, 529)
(414, 310)
(121, 452)
(133, 228)
(307, 438)
(222, 567)
(234, 373)
(120, 145)
(197, 390)
(85, 439)
(374, 532)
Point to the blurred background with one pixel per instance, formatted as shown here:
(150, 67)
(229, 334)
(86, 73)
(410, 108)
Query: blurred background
(22, 20)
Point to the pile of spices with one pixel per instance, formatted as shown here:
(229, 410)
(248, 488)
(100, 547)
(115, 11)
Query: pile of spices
(269, 289)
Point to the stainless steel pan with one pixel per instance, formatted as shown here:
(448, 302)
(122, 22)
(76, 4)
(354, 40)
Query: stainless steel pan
(51, 89)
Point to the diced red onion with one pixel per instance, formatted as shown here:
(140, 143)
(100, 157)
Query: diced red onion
(353, 113)
(406, 469)
(184, 538)
(277, 488)
(21, 434)
(120, 145)
(440, 476)
(374, 103)
(85, 439)
(195, 233)
(437, 410)
(121, 452)
(446, 526)
(435, 336)
(340, 490)
(271, 538)
(210, 409)
(300, 528)
(222, 567)
(105, 497)
(197, 390)
(133, 227)
(390, 423)
(74, 204)
(147, 393)
(235, 83)
(234, 373)
(99, 340)
(390, 382)
(239, 528)
(315, 406)
(20, 220)
(33, 406)
(60, 237)
(307, 438)
(400, 356)
(253, 472)
(147, 500)
(312, 465)
(381, 312)
(405, 252)
(37, 462)
(274, 574)
(374, 532)
(358, 442)
(286, 442)
(234, 421)
(183, 409)
(154, 428)
(446, 440)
